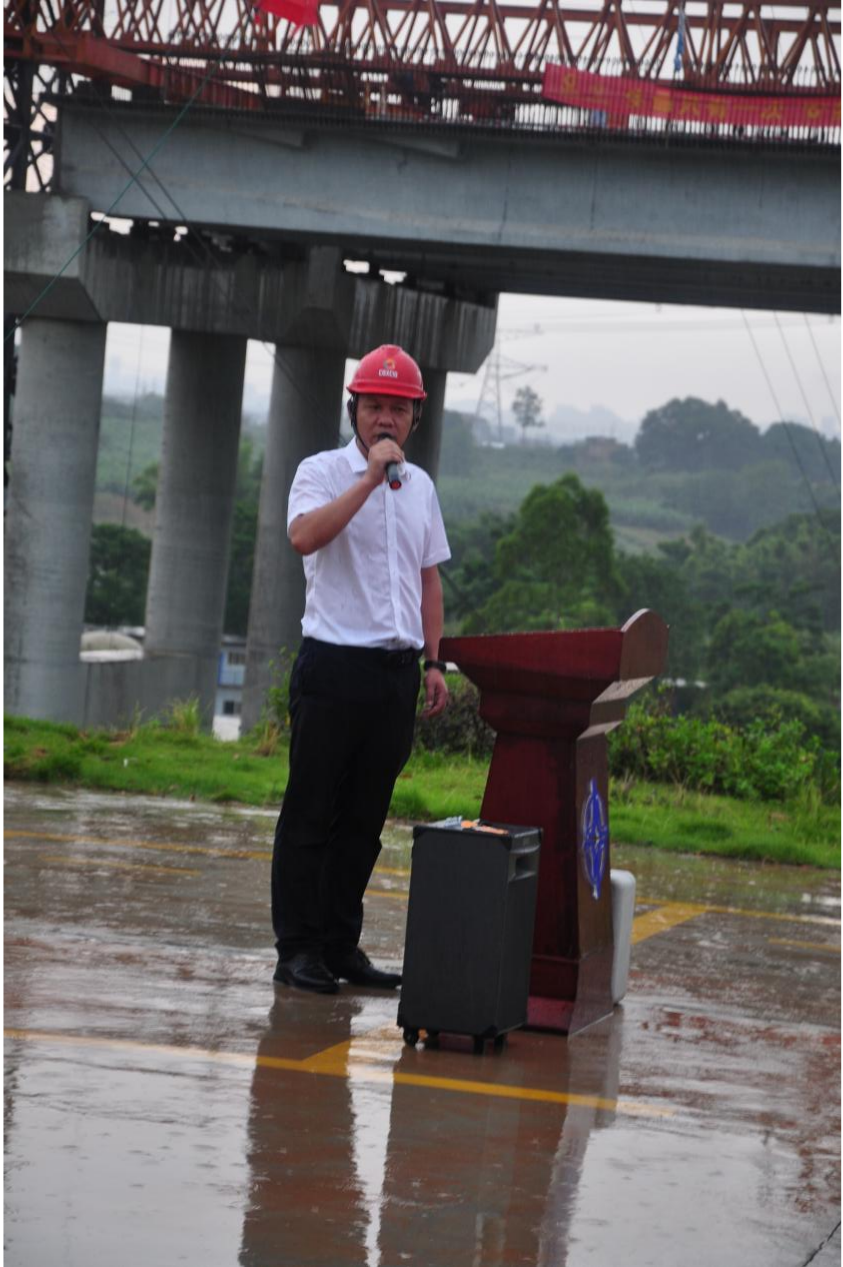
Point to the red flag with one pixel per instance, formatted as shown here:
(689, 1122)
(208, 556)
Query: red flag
(298, 12)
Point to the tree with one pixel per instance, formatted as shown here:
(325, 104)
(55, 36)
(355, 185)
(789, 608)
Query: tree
(793, 566)
(145, 486)
(751, 650)
(527, 407)
(556, 568)
(469, 576)
(792, 443)
(658, 583)
(117, 576)
(693, 435)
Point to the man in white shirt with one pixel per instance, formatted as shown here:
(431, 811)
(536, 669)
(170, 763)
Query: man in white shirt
(371, 544)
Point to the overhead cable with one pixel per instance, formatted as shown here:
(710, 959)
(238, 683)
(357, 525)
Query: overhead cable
(796, 374)
(131, 453)
(831, 395)
(794, 449)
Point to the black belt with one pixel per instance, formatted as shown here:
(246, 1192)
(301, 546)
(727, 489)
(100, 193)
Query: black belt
(400, 658)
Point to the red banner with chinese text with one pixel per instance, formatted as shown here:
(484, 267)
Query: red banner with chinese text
(618, 97)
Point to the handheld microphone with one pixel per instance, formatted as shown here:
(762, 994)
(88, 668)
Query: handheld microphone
(393, 473)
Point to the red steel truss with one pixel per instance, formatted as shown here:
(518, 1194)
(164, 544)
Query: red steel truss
(751, 43)
(470, 62)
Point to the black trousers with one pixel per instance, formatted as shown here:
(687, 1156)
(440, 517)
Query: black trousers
(353, 712)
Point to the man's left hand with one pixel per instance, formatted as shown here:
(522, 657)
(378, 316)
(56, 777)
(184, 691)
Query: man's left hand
(435, 693)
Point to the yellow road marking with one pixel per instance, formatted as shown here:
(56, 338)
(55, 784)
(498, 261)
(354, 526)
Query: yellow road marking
(828, 920)
(662, 919)
(260, 855)
(157, 1049)
(123, 866)
(805, 945)
(501, 1090)
(342, 1068)
(716, 910)
(331, 1060)
(206, 850)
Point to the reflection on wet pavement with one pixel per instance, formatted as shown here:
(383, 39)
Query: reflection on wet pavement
(166, 1105)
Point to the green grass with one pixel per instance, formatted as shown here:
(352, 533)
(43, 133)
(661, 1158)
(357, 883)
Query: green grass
(438, 785)
(153, 759)
(677, 820)
(175, 761)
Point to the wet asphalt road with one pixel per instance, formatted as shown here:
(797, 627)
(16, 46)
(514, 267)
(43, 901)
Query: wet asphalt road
(167, 1105)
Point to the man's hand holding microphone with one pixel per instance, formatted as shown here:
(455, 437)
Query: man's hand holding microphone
(385, 459)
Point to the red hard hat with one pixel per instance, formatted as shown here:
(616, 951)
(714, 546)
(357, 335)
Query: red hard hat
(388, 371)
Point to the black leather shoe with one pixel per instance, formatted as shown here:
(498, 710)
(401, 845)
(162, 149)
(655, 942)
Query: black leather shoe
(357, 968)
(306, 971)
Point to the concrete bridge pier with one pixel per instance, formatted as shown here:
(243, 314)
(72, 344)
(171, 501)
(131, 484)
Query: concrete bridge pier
(425, 444)
(304, 417)
(194, 508)
(48, 526)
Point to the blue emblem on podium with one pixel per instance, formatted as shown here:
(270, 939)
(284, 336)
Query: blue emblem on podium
(594, 842)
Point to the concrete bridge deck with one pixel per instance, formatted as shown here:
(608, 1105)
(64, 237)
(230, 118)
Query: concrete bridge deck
(166, 1105)
(535, 214)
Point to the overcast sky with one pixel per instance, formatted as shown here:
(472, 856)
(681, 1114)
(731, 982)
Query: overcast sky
(624, 357)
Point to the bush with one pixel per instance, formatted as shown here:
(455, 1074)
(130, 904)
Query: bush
(771, 704)
(460, 728)
(184, 717)
(768, 759)
(276, 710)
(765, 761)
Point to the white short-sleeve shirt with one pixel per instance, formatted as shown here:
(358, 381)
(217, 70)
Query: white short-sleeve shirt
(364, 587)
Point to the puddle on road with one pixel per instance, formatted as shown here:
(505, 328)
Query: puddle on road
(704, 879)
(168, 1120)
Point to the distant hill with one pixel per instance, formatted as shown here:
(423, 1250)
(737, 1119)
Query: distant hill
(110, 508)
(563, 425)
(130, 441)
(689, 462)
(692, 462)
(568, 424)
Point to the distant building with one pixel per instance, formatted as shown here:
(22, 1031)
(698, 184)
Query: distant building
(600, 449)
(232, 670)
(100, 645)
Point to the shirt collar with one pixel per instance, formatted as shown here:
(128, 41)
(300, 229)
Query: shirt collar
(356, 460)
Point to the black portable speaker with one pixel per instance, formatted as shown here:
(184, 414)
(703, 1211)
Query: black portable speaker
(469, 930)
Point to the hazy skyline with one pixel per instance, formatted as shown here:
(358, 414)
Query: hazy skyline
(626, 358)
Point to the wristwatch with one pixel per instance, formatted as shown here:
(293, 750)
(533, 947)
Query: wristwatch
(435, 664)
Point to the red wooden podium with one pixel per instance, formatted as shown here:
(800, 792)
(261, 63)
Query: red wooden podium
(552, 698)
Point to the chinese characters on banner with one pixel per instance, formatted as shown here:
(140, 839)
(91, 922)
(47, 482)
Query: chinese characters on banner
(619, 97)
